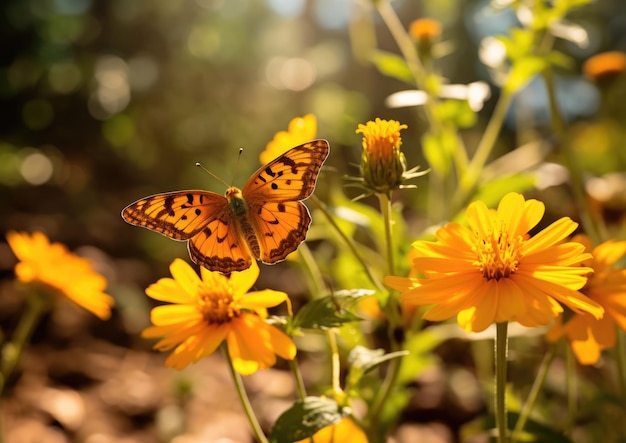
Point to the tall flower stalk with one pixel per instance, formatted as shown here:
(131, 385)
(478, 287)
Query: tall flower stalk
(383, 169)
(48, 271)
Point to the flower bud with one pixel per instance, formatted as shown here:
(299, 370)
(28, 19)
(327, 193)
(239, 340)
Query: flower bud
(382, 163)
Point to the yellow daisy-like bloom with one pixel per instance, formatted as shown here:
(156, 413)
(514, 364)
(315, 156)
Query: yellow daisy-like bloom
(54, 267)
(343, 431)
(299, 131)
(209, 309)
(587, 335)
(382, 164)
(493, 271)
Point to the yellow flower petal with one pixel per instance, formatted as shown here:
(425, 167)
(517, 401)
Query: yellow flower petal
(262, 299)
(608, 253)
(343, 431)
(300, 130)
(170, 314)
(212, 309)
(185, 276)
(401, 284)
(168, 290)
(63, 273)
(550, 236)
(241, 282)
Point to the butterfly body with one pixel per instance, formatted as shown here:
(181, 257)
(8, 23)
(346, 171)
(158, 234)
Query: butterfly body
(265, 220)
(240, 211)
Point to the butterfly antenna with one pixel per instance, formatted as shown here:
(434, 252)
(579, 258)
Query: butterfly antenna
(211, 174)
(237, 165)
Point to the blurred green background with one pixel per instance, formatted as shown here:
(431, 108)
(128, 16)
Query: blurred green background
(107, 101)
(104, 102)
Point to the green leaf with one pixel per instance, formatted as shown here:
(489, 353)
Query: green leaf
(362, 360)
(438, 150)
(366, 359)
(305, 418)
(392, 65)
(522, 71)
(456, 113)
(330, 311)
(519, 45)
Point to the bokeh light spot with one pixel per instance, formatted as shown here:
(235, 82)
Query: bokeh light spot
(143, 73)
(203, 42)
(287, 8)
(332, 14)
(119, 130)
(64, 77)
(295, 74)
(112, 93)
(36, 168)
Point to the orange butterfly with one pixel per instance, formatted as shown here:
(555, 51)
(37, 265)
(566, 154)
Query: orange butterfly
(265, 220)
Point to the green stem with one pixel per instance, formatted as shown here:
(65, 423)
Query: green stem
(335, 367)
(348, 241)
(245, 401)
(500, 392)
(316, 279)
(392, 310)
(300, 387)
(385, 208)
(485, 146)
(13, 351)
(534, 392)
(594, 226)
(407, 48)
(420, 75)
(571, 390)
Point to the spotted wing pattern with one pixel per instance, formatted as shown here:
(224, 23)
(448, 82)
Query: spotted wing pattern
(202, 217)
(273, 194)
(224, 237)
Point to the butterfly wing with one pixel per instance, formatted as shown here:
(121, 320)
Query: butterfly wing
(273, 194)
(201, 217)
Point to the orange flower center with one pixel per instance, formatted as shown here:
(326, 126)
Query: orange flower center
(216, 303)
(498, 255)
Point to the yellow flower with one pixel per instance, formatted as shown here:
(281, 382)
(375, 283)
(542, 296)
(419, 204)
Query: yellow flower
(607, 286)
(52, 265)
(344, 430)
(382, 164)
(299, 131)
(493, 271)
(209, 309)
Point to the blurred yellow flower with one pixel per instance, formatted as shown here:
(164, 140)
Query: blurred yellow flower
(607, 286)
(493, 271)
(299, 131)
(209, 309)
(382, 163)
(54, 267)
(343, 431)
